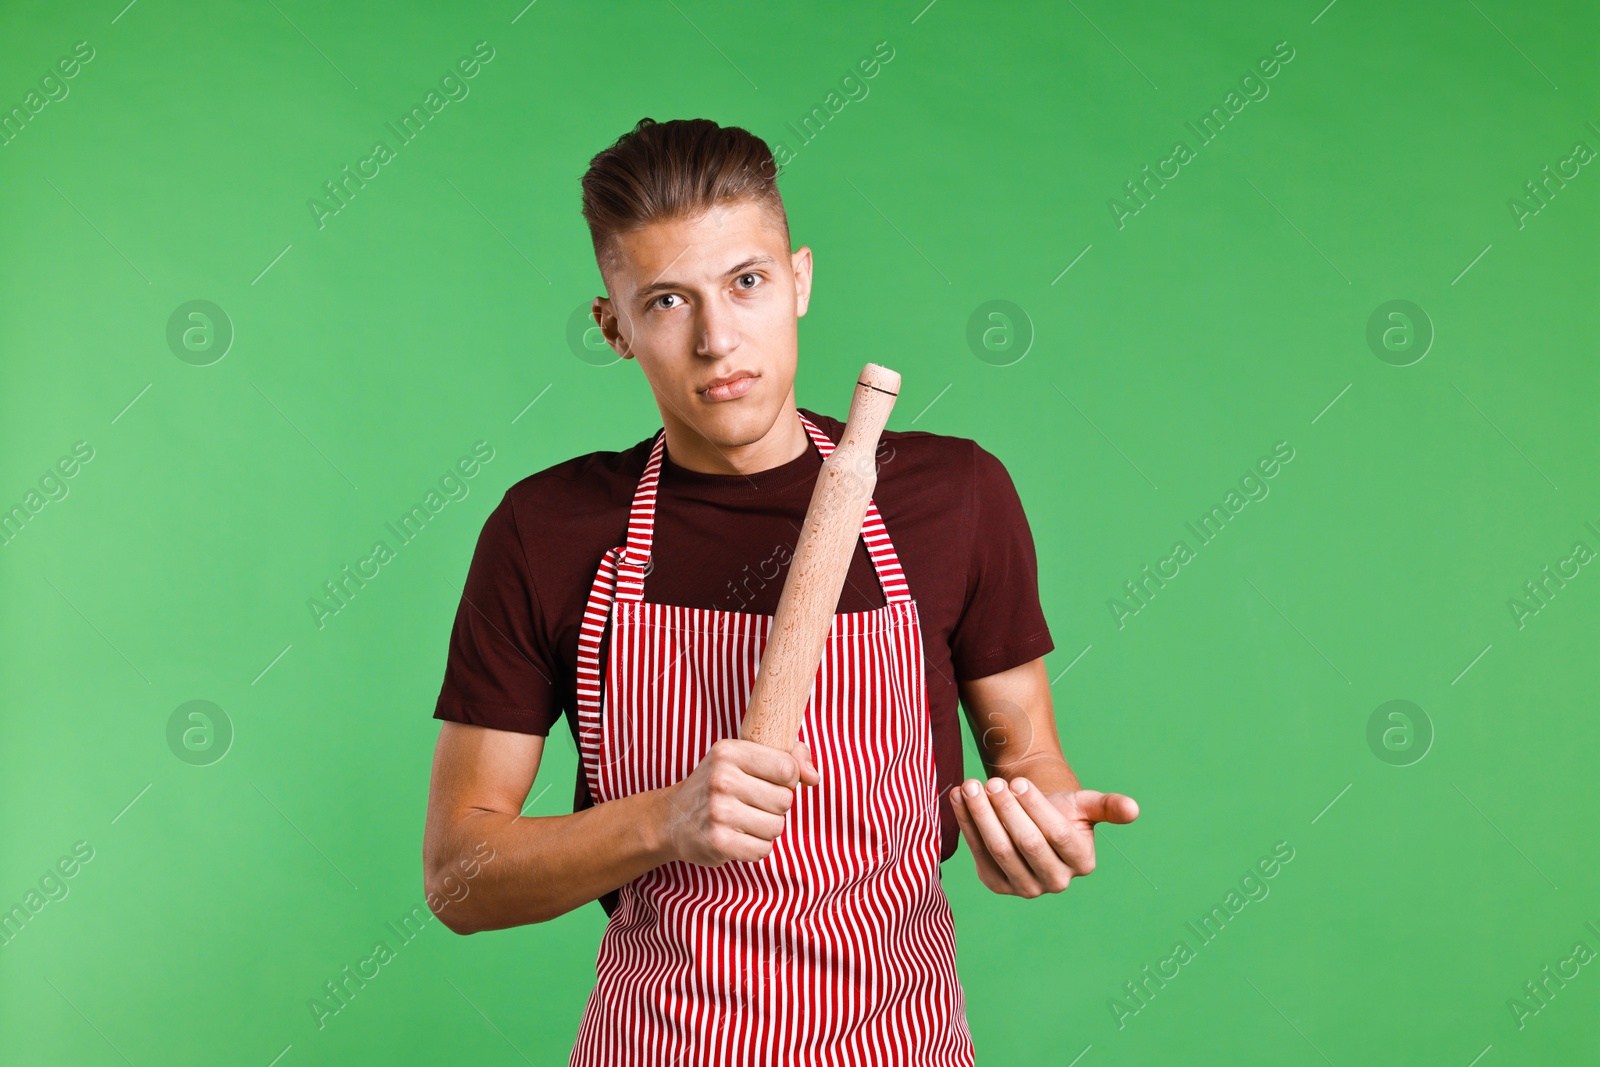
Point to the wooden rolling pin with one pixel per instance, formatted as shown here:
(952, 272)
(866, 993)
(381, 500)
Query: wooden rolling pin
(821, 560)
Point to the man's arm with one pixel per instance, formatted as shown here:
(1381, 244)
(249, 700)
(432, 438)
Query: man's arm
(729, 808)
(1031, 826)
(541, 867)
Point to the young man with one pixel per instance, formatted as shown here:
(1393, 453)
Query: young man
(765, 906)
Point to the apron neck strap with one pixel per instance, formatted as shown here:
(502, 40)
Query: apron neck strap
(633, 557)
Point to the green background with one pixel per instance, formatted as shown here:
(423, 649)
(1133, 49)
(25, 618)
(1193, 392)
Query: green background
(1228, 315)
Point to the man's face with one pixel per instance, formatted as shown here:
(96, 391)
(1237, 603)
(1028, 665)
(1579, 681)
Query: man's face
(696, 301)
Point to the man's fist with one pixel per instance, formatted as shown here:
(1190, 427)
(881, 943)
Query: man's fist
(733, 803)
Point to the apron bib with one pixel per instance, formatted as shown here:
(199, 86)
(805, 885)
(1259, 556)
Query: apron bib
(838, 946)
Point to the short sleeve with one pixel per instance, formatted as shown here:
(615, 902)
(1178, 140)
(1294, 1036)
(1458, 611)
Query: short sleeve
(1002, 623)
(501, 670)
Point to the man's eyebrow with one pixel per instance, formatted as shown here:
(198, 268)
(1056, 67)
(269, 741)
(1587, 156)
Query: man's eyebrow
(762, 260)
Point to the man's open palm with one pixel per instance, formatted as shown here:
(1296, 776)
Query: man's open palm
(1027, 843)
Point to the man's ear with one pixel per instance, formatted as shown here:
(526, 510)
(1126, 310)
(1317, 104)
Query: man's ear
(800, 262)
(606, 319)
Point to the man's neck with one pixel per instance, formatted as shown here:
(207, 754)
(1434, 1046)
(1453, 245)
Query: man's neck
(784, 442)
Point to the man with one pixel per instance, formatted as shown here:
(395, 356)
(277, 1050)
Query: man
(765, 906)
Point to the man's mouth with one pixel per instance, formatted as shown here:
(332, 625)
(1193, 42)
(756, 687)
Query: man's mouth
(734, 385)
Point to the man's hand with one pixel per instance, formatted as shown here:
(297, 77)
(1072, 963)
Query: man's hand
(1026, 842)
(732, 805)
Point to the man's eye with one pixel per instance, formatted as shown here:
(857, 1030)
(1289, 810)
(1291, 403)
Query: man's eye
(755, 278)
(665, 296)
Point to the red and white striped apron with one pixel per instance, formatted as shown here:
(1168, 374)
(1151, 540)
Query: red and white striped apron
(836, 948)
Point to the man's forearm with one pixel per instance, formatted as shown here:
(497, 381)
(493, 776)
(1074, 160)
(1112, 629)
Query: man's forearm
(1013, 720)
(546, 866)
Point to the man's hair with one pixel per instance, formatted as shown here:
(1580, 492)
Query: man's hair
(675, 170)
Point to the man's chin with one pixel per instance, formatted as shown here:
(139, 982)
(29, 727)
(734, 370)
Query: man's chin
(734, 423)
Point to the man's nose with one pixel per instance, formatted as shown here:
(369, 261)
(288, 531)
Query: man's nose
(719, 329)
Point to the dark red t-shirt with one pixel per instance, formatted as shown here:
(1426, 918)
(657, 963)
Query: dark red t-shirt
(723, 542)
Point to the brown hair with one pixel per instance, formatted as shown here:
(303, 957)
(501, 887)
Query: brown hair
(671, 170)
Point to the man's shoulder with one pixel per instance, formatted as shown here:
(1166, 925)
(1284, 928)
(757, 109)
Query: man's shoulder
(587, 485)
(924, 474)
(917, 448)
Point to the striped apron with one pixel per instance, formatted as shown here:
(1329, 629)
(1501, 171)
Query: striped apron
(837, 947)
